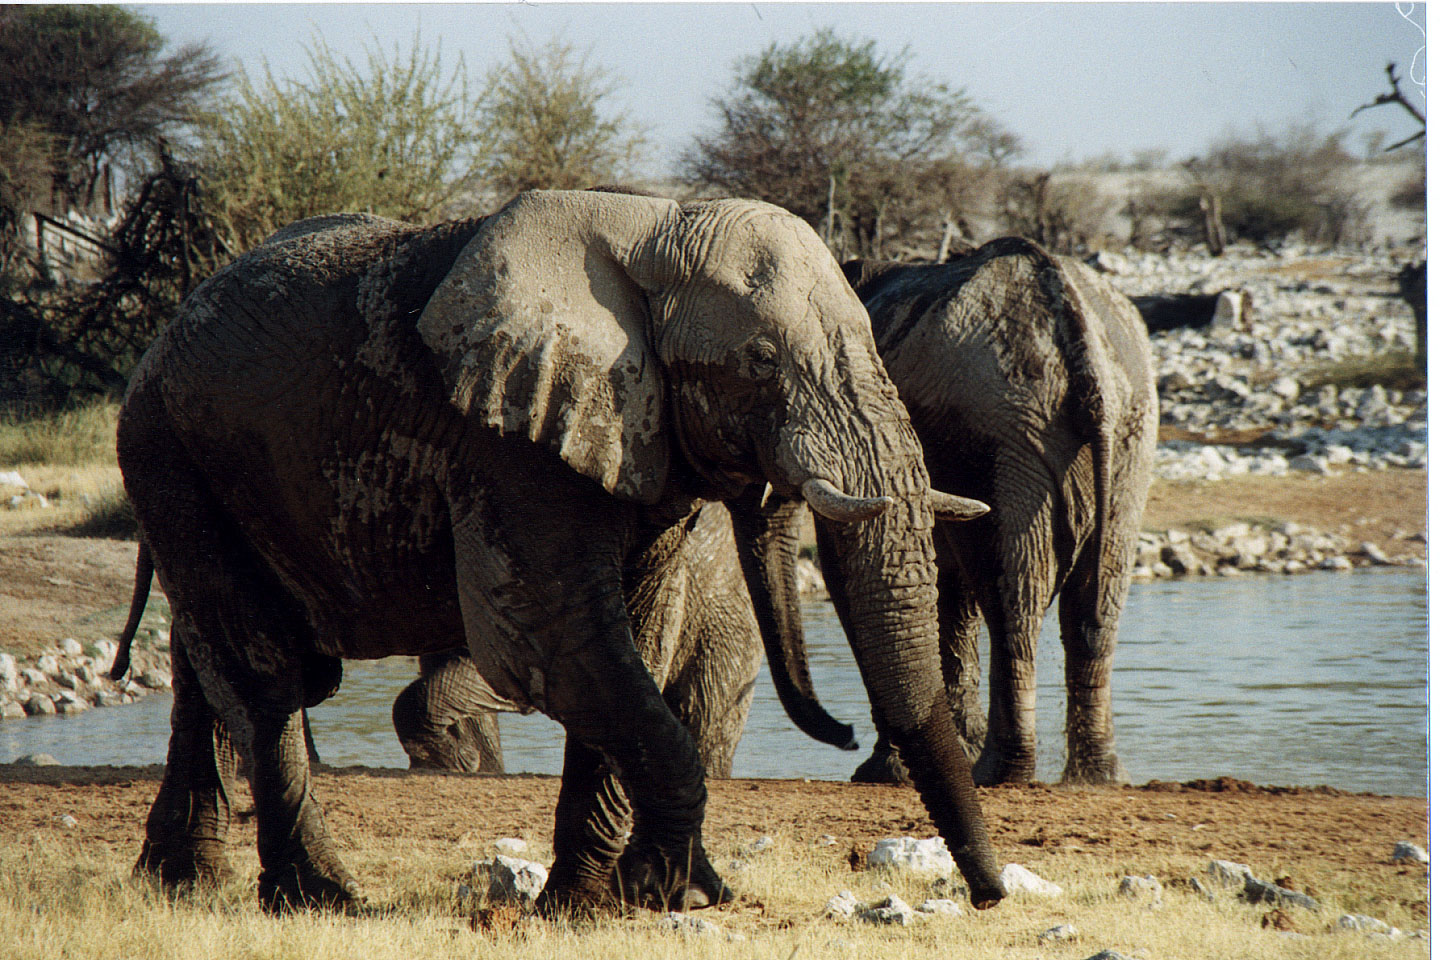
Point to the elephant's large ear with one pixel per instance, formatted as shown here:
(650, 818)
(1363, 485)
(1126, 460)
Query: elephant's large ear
(543, 331)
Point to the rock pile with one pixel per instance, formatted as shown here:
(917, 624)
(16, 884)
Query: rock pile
(1251, 548)
(75, 676)
(1245, 372)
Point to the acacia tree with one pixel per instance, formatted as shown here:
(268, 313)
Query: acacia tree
(94, 79)
(543, 112)
(394, 137)
(839, 135)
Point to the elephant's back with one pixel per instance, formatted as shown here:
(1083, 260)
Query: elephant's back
(292, 383)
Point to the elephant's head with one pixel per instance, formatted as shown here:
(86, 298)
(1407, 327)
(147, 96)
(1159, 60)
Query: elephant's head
(649, 343)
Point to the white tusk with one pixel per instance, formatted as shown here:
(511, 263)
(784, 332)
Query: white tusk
(948, 506)
(765, 495)
(827, 500)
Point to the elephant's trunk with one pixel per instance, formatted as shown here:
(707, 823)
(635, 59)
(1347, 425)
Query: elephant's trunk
(888, 607)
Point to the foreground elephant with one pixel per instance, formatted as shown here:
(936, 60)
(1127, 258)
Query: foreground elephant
(714, 653)
(366, 438)
(1029, 383)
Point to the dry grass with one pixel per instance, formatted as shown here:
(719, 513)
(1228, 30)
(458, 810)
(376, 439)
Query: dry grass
(68, 458)
(62, 897)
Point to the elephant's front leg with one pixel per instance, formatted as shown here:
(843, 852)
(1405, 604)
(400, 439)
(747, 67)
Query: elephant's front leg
(189, 821)
(540, 578)
(299, 866)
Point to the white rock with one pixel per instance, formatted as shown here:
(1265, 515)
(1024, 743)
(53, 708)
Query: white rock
(510, 846)
(1363, 924)
(12, 478)
(907, 853)
(1141, 888)
(36, 760)
(512, 879)
(67, 821)
(1016, 879)
(9, 671)
(688, 924)
(48, 665)
(891, 910)
(1061, 934)
(1228, 873)
(71, 647)
(1336, 563)
(759, 846)
(1229, 310)
(940, 906)
(842, 906)
(1287, 388)
(155, 679)
(1407, 852)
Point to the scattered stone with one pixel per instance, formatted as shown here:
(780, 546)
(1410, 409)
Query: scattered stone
(12, 478)
(939, 906)
(1262, 891)
(1336, 563)
(48, 665)
(1142, 888)
(1061, 934)
(36, 760)
(1373, 551)
(1109, 954)
(1407, 852)
(826, 840)
(688, 924)
(10, 710)
(1228, 873)
(40, 705)
(1016, 879)
(71, 647)
(155, 679)
(512, 880)
(842, 906)
(67, 821)
(917, 856)
(510, 846)
(9, 671)
(1359, 922)
(759, 846)
(1201, 889)
(891, 910)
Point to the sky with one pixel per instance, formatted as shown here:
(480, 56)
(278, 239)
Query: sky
(1074, 80)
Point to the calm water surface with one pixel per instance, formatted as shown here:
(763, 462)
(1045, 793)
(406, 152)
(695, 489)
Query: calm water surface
(1317, 679)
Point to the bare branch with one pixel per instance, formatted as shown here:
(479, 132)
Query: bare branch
(1395, 96)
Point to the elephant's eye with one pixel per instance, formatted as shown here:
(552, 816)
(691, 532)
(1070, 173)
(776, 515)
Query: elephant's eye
(762, 357)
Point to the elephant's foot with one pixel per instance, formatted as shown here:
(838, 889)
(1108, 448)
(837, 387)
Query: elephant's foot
(180, 865)
(303, 886)
(649, 876)
(993, 768)
(882, 766)
(1105, 768)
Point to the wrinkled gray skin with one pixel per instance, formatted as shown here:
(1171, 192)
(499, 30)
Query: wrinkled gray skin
(1028, 379)
(365, 438)
(714, 655)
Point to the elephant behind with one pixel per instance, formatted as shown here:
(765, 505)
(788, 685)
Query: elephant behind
(1029, 382)
(714, 654)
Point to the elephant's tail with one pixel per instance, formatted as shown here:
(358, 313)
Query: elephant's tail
(1094, 393)
(144, 571)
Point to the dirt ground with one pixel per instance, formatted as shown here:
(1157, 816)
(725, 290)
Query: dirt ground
(1299, 834)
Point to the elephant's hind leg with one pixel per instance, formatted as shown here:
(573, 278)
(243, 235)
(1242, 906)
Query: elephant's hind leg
(592, 818)
(189, 821)
(246, 642)
(1090, 755)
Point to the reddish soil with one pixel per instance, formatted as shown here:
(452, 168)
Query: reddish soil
(1303, 834)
